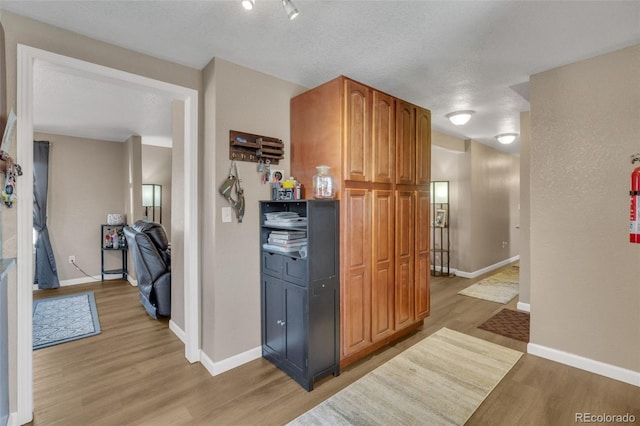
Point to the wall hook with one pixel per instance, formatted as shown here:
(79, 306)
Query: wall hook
(635, 158)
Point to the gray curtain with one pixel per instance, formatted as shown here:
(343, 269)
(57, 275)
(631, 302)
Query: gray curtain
(46, 275)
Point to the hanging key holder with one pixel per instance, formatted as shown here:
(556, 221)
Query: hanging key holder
(232, 184)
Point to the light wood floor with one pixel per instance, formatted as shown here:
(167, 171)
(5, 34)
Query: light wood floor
(135, 373)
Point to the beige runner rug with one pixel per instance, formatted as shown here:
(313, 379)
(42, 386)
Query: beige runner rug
(500, 287)
(441, 380)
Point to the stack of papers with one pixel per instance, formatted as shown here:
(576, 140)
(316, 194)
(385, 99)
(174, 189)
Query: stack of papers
(285, 219)
(286, 241)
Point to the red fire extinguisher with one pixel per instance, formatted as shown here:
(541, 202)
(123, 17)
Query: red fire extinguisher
(634, 226)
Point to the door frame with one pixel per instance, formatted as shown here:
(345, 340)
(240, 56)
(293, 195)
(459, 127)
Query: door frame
(26, 58)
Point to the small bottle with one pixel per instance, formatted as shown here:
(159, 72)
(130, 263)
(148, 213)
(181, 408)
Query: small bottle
(323, 183)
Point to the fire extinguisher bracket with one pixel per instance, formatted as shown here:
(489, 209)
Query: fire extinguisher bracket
(634, 193)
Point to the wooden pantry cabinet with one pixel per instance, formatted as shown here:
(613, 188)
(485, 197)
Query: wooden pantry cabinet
(379, 150)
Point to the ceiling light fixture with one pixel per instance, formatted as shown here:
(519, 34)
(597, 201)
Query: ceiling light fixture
(248, 4)
(506, 138)
(290, 9)
(460, 117)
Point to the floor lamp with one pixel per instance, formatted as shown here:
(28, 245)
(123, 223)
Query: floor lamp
(152, 199)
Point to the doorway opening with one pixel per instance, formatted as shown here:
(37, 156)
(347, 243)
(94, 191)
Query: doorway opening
(185, 107)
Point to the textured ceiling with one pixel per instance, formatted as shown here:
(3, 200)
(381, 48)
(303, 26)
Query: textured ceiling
(443, 55)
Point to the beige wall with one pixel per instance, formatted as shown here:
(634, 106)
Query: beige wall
(132, 189)
(236, 98)
(85, 184)
(445, 166)
(177, 213)
(156, 168)
(525, 208)
(585, 275)
(495, 182)
(32, 33)
(485, 195)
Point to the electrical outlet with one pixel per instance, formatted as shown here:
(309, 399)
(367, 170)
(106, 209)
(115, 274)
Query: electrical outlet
(72, 259)
(505, 244)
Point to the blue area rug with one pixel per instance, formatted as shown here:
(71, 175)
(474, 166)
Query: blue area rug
(63, 319)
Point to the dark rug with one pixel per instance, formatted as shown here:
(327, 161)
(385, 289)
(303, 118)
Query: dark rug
(514, 324)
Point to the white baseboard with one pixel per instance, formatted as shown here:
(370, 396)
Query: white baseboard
(523, 307)
(13, 419)
(452, 271)
(593, 366)
(177, 331)
(85, 280)
(489, 268)
(220, 367)
(82, 280)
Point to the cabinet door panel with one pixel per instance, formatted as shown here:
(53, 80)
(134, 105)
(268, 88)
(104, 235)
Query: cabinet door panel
(405, 143)
(273, 330)
(383, 134)
(405, 252)
(382, 288)
(357, 149)
(423, 266)
(295, 302)
(356, 286)
(423, 146)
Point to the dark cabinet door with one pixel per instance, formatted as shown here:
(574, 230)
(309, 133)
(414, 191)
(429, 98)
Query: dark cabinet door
(295, 319)
(4, 355)
(273, 321)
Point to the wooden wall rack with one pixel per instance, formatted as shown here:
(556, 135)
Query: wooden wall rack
(253, 148)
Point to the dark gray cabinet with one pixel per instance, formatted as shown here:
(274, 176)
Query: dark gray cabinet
(5, 265)
(4, 356)
(300, 292)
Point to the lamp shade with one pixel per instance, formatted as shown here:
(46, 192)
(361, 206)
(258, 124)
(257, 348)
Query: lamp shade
(440, 192)
(151, 195)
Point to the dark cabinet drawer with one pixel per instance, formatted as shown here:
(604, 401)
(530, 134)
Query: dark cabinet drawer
(295, 271)
(272, 264)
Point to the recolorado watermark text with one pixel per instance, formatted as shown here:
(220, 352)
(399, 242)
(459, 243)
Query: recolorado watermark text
(605, 418)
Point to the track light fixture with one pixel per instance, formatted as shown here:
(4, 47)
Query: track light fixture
(460, 117)
(290, 9)
(506, 138)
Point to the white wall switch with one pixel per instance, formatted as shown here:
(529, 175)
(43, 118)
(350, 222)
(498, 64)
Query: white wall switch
(226, 214)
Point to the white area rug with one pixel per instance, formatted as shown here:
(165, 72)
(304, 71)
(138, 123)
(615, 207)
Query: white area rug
(500, 287)
(441, 380)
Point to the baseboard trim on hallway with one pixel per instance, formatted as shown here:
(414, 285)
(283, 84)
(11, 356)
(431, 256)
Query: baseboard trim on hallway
(591, 365)
(215, 368)
(489, 268)
(86, 280)
(523, 307)
(177, 331)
